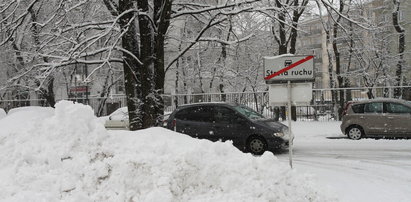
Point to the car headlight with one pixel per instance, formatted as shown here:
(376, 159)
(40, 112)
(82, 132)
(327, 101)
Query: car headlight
(283, 134)
(279, 134)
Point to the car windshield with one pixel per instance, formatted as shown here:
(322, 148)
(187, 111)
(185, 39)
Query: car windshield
(119, 114)
(249, 113)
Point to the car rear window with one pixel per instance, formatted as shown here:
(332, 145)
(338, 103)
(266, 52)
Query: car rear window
(358, 108)
(397, 108)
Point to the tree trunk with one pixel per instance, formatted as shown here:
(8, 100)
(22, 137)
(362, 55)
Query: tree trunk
(105, 92)
(401, 48)
(296, 17)
(145, 77)
(162, 15)
(131, 65)
(48, 93)
(340, 82)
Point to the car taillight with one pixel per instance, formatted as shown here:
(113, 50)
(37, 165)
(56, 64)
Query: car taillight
(174, 125)
(345, 110)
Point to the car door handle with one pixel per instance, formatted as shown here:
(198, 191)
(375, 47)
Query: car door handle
(361, 117)
(390, 117)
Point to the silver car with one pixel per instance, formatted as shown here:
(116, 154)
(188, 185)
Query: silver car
(377, 118)
(118, 119)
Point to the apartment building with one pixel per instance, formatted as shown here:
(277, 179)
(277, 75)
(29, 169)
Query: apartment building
(368, 45)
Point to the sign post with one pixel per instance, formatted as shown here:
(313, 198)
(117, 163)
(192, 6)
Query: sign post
(290, 133)
(289, 74)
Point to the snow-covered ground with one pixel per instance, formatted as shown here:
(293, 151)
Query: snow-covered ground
(66, 155)
(356, 170)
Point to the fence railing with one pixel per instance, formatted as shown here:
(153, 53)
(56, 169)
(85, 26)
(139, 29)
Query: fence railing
(323, 107)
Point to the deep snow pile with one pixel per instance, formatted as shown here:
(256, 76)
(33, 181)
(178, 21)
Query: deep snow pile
(66, 154)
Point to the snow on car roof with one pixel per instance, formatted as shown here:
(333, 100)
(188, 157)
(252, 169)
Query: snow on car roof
(209, 103)
(381, 100)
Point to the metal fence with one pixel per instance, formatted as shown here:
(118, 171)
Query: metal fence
(323, 107)
(258, 101)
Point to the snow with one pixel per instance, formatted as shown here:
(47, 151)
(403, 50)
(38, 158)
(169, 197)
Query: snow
(356, 170)
(2, 113)
(278, 56)
(65, 154)
(29, 108)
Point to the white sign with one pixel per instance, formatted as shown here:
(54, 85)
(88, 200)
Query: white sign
(301, 94)
(280, 69)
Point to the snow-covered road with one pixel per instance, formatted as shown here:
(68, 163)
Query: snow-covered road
(363, 170)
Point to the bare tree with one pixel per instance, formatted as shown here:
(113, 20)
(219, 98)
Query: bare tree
(136, 29)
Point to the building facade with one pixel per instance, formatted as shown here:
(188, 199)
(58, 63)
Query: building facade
(367, 44)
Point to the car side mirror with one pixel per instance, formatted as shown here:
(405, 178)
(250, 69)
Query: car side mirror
(109, 118)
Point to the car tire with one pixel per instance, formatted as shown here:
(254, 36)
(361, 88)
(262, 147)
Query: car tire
(256, 145)
(355, 132)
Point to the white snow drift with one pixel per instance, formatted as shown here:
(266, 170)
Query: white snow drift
(67, 155)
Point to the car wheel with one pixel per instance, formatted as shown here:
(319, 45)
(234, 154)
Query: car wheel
(355, 132)
(256, 145)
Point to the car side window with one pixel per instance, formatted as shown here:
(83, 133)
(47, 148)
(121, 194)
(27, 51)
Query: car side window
(397, 108)
(224, 115)
(359, 108)
(374, 107)
(197, 113)
(182, 114)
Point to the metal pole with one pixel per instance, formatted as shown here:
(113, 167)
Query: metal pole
(290, 134)
(175, 125)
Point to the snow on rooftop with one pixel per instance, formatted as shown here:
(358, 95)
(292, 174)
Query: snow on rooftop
(67, 155)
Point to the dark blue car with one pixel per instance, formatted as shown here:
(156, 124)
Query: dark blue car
(249, 130)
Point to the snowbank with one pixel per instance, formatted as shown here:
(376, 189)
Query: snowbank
(66, 155)
(28, 109)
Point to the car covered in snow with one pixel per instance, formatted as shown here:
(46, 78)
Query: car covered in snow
(249, 130)
(377, 118)
(118, 119)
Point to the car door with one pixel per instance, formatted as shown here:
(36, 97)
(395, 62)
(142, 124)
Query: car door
(373, 119)
(195, 121)
(399, 117)
(229, 125)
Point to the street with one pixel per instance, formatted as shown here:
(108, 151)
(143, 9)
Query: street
(356, 170)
